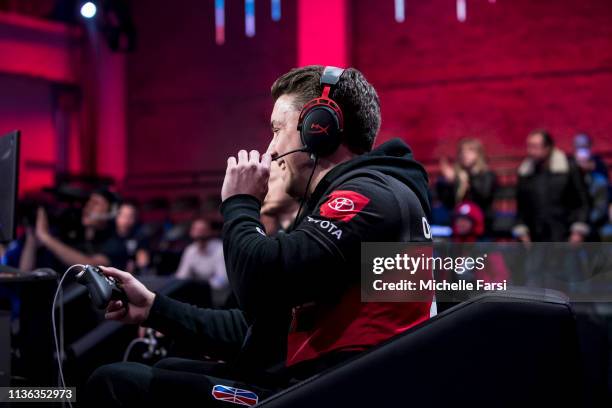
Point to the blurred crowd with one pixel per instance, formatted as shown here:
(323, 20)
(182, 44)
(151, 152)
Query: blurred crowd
(155, 237)
(559, 196)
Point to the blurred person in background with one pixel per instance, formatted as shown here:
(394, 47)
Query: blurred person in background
(126, 220)
(203, 259)
(469, 179)
(129, 237)
(468, 223)
(2, 252)
(583, 148)
(278, 210)
(469, 228)
(97, 244)
(606, 231)
(552, 200)
(595, 175)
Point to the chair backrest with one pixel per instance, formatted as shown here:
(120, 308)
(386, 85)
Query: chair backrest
(517, 348)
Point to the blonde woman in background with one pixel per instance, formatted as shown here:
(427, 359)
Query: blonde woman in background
(469, 179)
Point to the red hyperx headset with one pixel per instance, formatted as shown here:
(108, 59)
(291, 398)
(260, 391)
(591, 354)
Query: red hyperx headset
(321, 121)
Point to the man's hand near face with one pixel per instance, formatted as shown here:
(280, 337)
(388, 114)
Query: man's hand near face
(247, 175)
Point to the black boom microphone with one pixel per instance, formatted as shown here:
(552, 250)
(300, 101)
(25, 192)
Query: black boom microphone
(303, 149)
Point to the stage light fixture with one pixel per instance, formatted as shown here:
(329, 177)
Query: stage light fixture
(89, 10)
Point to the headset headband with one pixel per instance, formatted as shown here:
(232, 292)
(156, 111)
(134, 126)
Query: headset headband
(331, 75)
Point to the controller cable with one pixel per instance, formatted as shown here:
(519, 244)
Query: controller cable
(60, 355)
(152, 343)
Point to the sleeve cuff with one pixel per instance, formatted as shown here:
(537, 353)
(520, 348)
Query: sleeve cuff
(240, 204)
(158, 310)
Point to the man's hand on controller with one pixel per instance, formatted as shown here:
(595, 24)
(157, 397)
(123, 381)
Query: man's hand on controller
(248, 175)
(140, 299)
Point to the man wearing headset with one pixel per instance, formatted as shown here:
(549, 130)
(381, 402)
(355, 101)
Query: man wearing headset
(299, 292)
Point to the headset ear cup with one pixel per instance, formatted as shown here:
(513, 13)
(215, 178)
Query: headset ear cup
(320, 130)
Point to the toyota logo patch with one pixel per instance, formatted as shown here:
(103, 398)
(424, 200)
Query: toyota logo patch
(341, 204)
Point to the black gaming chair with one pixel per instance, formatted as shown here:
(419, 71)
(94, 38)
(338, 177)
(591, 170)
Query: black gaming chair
(512, 349)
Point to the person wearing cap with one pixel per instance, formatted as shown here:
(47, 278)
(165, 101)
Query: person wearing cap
(468, 222)
(95, 247)
(583, 154)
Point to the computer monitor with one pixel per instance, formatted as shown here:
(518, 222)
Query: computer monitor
(9, 175)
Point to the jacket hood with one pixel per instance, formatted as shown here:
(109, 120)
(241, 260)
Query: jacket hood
(393, 158)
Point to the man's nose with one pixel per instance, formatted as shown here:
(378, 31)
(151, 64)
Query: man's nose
(272, 149)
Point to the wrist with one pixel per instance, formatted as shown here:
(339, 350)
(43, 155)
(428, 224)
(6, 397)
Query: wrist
(44, 238)
(240, 196)
(149, 301)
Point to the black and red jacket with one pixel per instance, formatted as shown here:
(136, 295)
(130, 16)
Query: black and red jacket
(299, 292)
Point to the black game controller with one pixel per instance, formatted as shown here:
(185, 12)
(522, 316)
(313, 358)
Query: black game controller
(101, 288)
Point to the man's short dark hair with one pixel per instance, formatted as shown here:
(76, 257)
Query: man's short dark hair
(355, 95)
(108, 195)
(546, 137)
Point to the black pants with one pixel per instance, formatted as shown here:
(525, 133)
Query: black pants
(176, 381)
